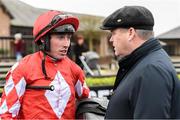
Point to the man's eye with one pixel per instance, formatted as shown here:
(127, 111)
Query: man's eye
(61, 36)
(64, 36)
(69, 36)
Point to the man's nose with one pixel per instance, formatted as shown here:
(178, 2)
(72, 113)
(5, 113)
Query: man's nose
(66, 41)
(66, 38)
(111, 39)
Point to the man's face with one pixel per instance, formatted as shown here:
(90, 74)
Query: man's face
(120, 41)
(80, 41)
(59, 44)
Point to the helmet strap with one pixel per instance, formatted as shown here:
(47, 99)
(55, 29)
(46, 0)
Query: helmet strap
(54, 59)
(43, 67)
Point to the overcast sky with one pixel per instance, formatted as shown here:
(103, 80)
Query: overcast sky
(166, 12)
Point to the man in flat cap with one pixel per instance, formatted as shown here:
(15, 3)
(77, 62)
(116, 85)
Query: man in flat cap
(146, 84)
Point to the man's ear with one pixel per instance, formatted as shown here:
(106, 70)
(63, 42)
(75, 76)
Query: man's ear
(131, 32)
(42, 40)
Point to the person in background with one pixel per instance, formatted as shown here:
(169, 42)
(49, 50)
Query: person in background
(79, 48)
(19, 46)
(146, 85)
(46, 84)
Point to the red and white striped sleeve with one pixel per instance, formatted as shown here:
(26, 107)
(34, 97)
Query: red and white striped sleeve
(81, 88)
(13, 92)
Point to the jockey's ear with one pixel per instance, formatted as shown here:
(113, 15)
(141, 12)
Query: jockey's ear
(42, 40)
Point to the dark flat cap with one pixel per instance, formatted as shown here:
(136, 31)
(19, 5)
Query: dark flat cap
(137, 17)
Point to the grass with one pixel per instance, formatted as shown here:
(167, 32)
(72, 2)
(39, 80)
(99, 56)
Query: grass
(179, 76)
(1, 90)
(106, 81)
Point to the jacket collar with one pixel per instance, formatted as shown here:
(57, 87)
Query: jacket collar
(126, 63)
(146, 48)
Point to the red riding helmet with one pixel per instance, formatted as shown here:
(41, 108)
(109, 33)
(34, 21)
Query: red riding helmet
(50, 20)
